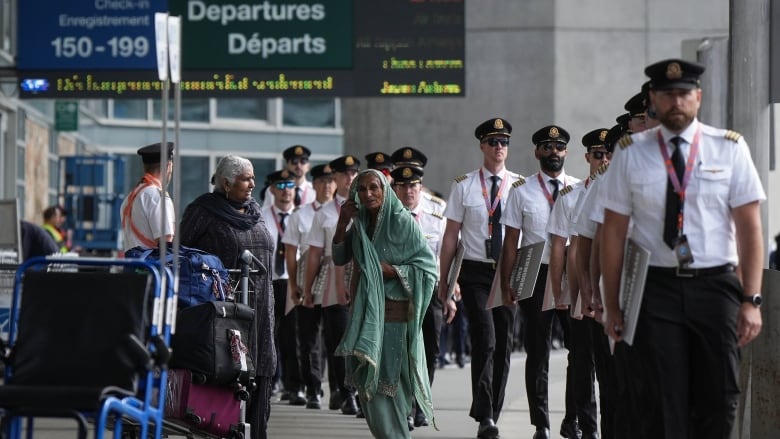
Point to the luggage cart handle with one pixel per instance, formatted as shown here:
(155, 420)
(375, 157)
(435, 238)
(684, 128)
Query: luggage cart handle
(246, 259)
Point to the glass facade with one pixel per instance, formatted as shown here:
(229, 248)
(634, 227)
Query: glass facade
(246, 109)
(309, 113)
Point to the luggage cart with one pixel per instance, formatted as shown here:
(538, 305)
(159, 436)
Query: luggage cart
(190, 421)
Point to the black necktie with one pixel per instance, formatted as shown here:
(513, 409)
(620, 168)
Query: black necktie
(279, 260)
(672, 198)
(497, 239)
(554, 182)
(297, 199)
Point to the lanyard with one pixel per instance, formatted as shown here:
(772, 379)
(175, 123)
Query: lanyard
(314, 205)
(587, 182)
(678, 187)
(304, 191)
(486, 196)
(547, 193)
(277, 221)
(146, 181)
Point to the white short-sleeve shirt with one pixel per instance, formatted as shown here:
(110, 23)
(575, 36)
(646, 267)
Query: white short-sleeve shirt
(466, 206)
(298, 226)
(563, 210)
(145, 214)
(724, 177)
(273, 224)
(528, 208)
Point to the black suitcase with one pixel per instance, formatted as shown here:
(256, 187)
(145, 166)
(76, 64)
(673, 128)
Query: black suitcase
(211, 339)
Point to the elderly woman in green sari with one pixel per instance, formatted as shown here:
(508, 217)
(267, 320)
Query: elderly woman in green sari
(395, 273)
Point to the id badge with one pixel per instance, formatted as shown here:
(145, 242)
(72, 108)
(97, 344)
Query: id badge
(488, 249)
(683, 251)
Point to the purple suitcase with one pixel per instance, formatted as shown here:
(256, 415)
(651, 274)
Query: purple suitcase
(205, 407)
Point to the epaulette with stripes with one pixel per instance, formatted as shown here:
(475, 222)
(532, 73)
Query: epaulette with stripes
(461, 178)
(594, 175)
(732, 135)
(603, 168)
(625, 141)
(519, 182)
(566, 190)
(436, 200)
(437, 215)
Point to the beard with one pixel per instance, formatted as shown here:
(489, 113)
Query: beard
(676, 121)
(552, 163)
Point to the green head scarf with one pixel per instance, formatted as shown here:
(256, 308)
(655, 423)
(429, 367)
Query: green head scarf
(398, 240)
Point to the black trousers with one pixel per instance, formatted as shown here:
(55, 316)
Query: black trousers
(335, 319)
(582, 352)
(637, 402)
(537, 341)
(490, 332)
(687, 328)
(259, 408)
(309, 326)
(286, 329)
(431, 330)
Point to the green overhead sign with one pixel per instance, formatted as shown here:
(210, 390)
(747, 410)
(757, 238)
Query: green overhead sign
(66, 115)
(235, 34)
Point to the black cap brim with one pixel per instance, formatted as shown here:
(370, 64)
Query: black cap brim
(671, 85)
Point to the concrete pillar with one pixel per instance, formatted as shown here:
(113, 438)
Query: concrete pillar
(713, 53)
(749, 114)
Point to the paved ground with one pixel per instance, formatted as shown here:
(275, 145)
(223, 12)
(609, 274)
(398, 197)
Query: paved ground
(452, 398)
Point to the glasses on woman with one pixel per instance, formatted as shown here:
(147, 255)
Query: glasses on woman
(598, 155)
(299, 161)
(549, 146)
(285, 185)
(495, 142)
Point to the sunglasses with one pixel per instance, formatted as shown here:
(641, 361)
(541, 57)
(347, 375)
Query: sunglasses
(598, 155)
(549, 146)
(495, 142)
(299, 161)
(285, 185)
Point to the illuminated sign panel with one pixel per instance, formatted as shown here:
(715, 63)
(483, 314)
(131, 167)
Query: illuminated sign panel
(99, 34)
(265, 35)
(246, 48)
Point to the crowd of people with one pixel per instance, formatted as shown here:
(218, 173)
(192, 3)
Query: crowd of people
(359, 278)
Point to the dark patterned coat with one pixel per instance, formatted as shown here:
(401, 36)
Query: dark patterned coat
(203, 230)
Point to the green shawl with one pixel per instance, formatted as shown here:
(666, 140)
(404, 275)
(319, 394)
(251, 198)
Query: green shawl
(399, 241)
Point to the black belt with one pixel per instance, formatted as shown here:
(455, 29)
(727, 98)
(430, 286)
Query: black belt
(690, 272)
(479, 264)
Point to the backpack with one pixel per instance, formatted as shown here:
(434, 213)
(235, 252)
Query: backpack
(202, 276)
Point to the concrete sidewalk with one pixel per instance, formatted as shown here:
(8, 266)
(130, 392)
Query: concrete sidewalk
(452, 399)
(451, 396)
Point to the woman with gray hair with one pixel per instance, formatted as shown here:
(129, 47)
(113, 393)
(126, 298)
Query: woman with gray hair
(226, 222)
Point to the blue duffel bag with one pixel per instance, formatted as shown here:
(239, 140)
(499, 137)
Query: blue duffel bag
(202, 276)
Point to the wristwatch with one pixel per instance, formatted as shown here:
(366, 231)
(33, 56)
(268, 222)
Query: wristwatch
(755, 299)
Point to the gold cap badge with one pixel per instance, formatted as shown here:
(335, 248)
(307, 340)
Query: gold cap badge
(407, 172)
(673, 71)
(554, 133)
(380, 158)
(603, 135)
(285, 174)
(298, 150)
(349, 161)
(327, 169)
(407, 153)
(498, 124)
